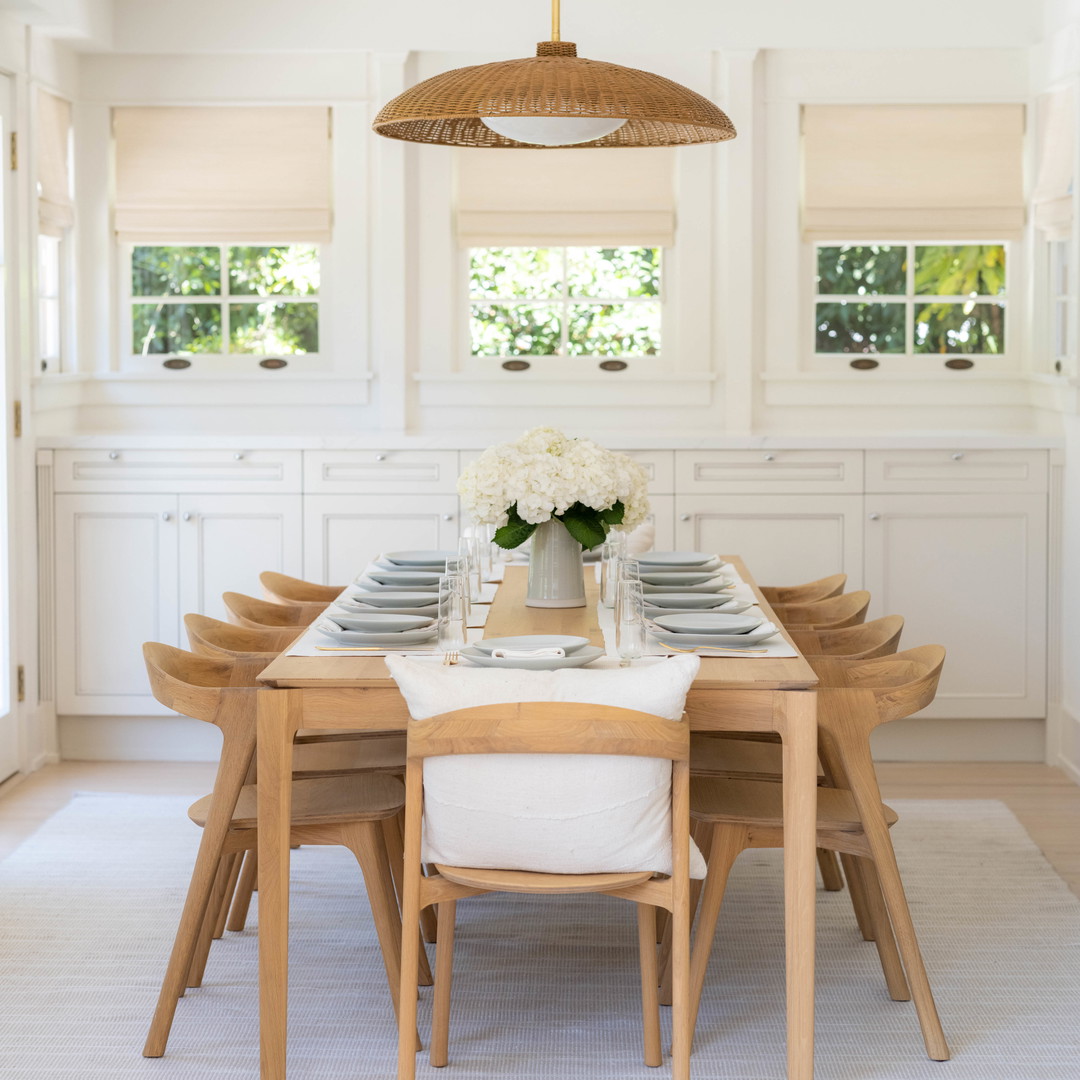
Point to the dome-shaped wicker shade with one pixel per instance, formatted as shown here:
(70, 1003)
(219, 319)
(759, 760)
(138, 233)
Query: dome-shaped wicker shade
(446, 109)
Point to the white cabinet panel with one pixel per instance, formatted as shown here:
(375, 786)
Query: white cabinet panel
(116, 588)
(395, 472)
(662, 518)
(226, 541)
(967, 572)
(660, 467)
(966, 471)
(343, 532)
(784, 539)
(769, 472)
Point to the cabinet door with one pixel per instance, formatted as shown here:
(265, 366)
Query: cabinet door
(226, 541)
(342, 533)
(116, 587)
(967, 572)
(783, 539)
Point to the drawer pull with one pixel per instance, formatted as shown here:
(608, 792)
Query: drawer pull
(448, 517)
(875, 516)
(958, 456)
(770, 457)
(380, 457)
(186, 515)
(114, 454)
(166, 516)
(684, 517)
(239, 456)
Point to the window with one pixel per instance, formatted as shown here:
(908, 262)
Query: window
(49, 302)
(210, 299)
(910, 300)
(1060, 338)
(565, 301)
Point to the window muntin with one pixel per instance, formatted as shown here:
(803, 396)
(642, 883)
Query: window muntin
(1060, 330)
(50, 302)
(255, 300)
(910, 299)
(565, 301)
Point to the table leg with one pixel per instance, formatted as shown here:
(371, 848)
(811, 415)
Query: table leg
(279, 719)
(799, 732)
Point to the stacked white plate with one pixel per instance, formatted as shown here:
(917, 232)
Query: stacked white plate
(679, 560)
(377, 628)
(390, 602)
(680, 603)
(415, 561)
(533, 652)
(702, 629)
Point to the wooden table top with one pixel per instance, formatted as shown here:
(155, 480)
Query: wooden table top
(510, 616)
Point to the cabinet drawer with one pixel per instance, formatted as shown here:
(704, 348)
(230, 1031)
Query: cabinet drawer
(178, 471)
(659, 465)
(371, 472)
(958, 471)
(765, 472)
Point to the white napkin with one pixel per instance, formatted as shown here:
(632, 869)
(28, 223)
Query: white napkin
(527, 654)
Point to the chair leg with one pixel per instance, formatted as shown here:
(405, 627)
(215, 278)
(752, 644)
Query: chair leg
(395, 851)
(891, 967)
(665, 945)
(408, 1044)
(858, 896)
(227, 897)
(831, 877)
(249, 877)
(444, 975)
(650, 1003)
(206, 933)
(682, 1012)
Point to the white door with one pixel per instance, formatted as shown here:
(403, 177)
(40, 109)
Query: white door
(783, 539)
(9, 731)
(226, 541)
(342, 533)
(116, 587)
(967, 572)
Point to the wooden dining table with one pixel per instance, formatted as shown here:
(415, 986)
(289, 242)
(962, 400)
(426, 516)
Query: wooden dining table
(348, 691)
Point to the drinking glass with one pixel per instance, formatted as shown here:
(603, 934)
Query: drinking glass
(626, 569)
(457, 568)
(630, 623)
(469, 554)
(613, 549)
(451, 624)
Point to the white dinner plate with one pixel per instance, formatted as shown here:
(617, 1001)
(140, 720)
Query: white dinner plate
(379, 622)
(583, 656)
(722, 641)
(329, 629)
(429, 611)
(729, 607)
(401, 577)
(709, 622)
(370, 585)
(713, 585)
(418, 558)
(533, 641)
(688, 600)
(677, 558)
(419, 568)
(676, 577)
(391, 598)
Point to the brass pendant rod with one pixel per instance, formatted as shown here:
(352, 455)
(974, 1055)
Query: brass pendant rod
(555, 20)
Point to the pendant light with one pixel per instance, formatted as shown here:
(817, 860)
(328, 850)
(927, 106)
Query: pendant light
(555, 98)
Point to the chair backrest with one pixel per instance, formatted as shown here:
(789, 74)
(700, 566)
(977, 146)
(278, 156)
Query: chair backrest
(809, 593)
(211, 637)
(881, 637)
(282, 589)
(201, 687)
(833, 613)
(249, 611)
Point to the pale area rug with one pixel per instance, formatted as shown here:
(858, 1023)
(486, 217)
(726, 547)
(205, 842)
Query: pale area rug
(543, 988)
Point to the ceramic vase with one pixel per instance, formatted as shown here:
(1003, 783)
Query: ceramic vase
(556, 570)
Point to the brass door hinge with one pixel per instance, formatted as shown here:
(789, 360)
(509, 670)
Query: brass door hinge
(17, 419)
(20, 683)
(13, 158)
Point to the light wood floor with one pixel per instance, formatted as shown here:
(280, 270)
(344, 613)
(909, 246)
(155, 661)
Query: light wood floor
(1044, 799)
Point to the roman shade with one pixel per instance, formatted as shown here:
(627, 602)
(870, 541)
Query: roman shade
(233, 173)
(884, 172)
(573, 197)
(1053, 195)
(56, 210)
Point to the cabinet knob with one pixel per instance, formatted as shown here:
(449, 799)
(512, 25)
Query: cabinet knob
(187, 515)
(770, 457)
(114, 454)
(380, 457)
(875, 516)
(238, 456)
(958, 456)
(166, 516)
(684, 517)
(448, 517)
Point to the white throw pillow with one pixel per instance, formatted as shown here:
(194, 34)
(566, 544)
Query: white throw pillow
(554, 813)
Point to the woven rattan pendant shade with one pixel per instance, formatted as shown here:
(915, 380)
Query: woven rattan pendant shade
(556, 82)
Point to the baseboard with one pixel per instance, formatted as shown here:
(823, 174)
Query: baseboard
(920, 739)
(1068, 757)
(137, 738)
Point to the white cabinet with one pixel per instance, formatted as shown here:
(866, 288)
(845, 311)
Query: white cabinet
(784, 539)
(342, 532)
(226, 541)
(967, 572)
(769, 471)
(116, 587)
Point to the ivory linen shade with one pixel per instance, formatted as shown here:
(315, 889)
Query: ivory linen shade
(882, 172)
(1053, 196)
(572, 197)
(253, 173)
(56, 210)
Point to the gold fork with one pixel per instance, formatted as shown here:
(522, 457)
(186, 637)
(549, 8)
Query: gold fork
(720, 648)
(450, 658)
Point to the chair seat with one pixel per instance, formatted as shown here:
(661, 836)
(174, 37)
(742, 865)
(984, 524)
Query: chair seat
(323, 801)
(760, 804)
(711, 756)
(522, 881)
(350, 755)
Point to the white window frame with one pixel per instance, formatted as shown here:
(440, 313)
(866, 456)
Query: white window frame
(224, 362)
(54, 363)
(564, 366)
(1060, 331)
(909, 362)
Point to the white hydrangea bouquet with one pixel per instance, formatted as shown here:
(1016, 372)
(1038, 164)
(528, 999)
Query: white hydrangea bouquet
(547, 475)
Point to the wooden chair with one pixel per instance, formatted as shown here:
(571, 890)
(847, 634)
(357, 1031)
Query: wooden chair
(342, 809)
(260, 614)
(831, 614)
(881, 637)
(810, 593)
(548, 728)
(733, 815)
(211, 637)
(282, 589)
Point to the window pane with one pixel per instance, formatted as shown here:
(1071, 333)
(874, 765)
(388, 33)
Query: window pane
(278, 328)
(1061, 329)
(517, 330)
(175, 271)
(613, 273)
(176, 328)
(967, 270)
(505, 273)
(292, 270)
(860, 328)
(1059, 258)
(960, 328)
(48, 266)
(862, 270)
(48, 328)
(614, 330)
